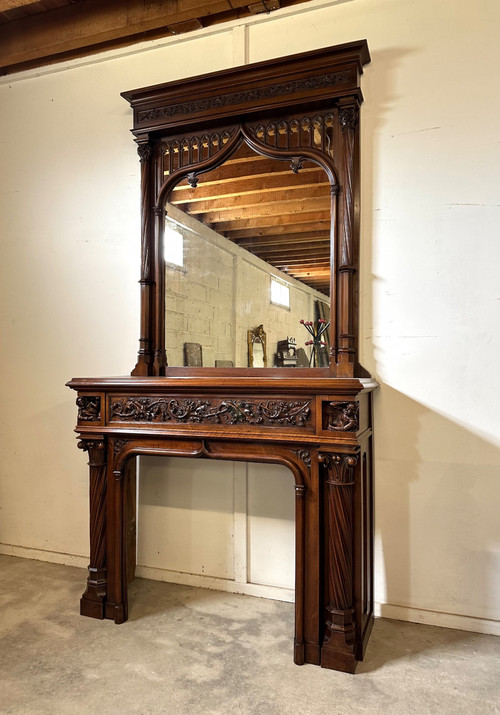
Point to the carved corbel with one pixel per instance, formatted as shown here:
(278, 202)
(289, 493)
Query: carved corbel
(92, 601)
(340, 627)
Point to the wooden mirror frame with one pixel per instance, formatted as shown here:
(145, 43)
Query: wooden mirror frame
(316, 422)
(231, 105)
(257, 335)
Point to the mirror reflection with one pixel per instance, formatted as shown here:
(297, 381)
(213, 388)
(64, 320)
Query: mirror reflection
(248, 247)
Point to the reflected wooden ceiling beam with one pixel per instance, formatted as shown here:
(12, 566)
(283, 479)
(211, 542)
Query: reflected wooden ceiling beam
(286, 240)
(281, 224)
(252, 212)
(320, 271)
(304, 196)
(253, 170)
(318, 249)
(243, 186)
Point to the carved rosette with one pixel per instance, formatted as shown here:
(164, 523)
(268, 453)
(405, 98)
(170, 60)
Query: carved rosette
(186, 410)
(341, 416)
(89, 409)
(92, 601)
(340, 622)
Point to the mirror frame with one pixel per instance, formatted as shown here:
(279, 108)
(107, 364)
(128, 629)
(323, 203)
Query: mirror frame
(257, 335)
(232, 103)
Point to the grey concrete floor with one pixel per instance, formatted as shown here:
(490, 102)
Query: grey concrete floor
(188, 650)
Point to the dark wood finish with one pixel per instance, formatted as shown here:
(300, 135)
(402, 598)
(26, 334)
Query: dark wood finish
(316, 422)
(46, 31)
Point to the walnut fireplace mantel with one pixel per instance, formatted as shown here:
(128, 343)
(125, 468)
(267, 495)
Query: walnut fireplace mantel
(300, 114)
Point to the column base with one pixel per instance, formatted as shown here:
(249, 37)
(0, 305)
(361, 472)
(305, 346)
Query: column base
(92, 601)
(116, 612)
(298, 653)
(339, 646)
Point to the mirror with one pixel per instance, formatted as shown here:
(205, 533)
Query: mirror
(248, 245)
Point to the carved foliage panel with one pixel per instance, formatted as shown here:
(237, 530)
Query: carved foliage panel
(256, 411)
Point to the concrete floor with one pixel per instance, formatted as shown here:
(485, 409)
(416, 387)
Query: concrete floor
(54, 661)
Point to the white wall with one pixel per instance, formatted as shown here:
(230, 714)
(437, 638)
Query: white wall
(429, 305)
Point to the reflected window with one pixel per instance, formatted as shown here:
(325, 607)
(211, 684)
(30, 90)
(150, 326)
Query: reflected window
(280, 293)
(173, 246)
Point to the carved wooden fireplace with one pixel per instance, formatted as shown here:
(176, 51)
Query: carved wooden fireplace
(262, 161)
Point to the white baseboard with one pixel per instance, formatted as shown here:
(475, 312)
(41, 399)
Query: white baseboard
(274, 593)
(53, 557)
(436, 618)
(382, 610)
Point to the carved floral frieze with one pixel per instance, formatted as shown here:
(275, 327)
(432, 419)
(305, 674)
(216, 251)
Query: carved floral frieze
(293, 413)
(324, 81)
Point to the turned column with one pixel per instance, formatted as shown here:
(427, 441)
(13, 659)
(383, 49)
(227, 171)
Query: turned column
(92, 601)
(348, 117)
(338, 650)
(145, 357)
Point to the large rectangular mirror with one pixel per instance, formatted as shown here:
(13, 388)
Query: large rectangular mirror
(247, 245)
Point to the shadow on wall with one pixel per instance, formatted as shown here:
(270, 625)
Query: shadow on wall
(437, 526)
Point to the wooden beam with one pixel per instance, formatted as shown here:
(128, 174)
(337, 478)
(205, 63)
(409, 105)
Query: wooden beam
(251, 184)
(6, 5)
(281, 224)
(257, 212)
(97, 24)
(255, 198)
(76, 29)
(295, 239)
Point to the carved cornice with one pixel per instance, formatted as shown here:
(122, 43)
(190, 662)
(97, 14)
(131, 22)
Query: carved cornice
(341, 416)
(324, 81)
(89, 409)
(295, 413)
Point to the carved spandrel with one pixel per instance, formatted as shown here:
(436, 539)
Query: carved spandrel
(341, 416)
(293, 413)
(304, 455)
